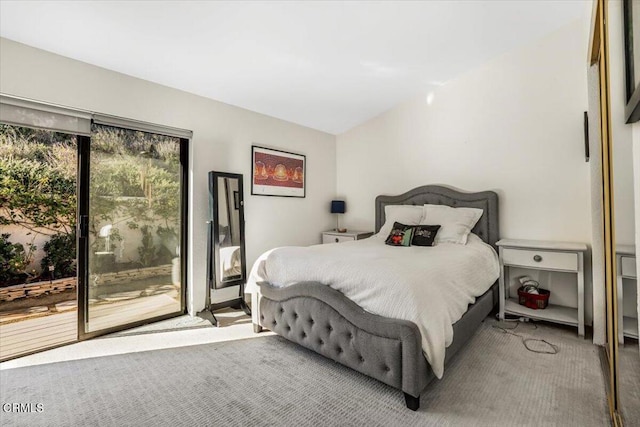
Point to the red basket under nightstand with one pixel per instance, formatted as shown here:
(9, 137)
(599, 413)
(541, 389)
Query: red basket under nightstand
(534, 301)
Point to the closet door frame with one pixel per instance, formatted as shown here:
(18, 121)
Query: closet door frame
(599, 54)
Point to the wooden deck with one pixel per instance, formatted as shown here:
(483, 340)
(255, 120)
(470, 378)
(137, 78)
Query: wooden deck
(40, 333)
(123, 312)
(36, 334)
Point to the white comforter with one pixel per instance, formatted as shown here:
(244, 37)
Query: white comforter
(230, 262)
(430, 286)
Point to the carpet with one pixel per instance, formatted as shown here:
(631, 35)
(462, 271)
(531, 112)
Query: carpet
(629, 386)
(268, 381)
(174, 324)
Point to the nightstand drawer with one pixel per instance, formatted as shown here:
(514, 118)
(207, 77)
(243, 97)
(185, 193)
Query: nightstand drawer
(629, 267)
(334, 238)
(541, 259)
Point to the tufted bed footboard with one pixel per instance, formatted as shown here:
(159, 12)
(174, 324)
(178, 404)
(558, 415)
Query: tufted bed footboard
(389, 350)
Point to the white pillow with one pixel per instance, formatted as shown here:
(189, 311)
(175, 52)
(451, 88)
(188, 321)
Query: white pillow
(404, 214)
(455, 223)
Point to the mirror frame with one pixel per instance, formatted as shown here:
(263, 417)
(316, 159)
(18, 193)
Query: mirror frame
(599, 54)
(213, 246)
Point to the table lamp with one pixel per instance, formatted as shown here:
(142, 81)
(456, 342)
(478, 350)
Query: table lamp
(338, 207)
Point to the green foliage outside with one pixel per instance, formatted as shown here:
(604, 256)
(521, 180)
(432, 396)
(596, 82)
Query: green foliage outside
(14, 259)
(60, 253)
(134, 183)
(134, 178)
(146, 250)
(37, 180)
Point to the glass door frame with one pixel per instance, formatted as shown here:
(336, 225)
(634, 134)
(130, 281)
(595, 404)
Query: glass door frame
(79, 137)
(82, 233)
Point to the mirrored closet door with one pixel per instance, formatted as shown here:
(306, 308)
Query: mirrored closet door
(603, 232)
(615, 226)
(626, 284)
(627, 303)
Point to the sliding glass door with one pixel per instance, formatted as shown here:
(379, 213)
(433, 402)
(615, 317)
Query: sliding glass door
(93, 221)
(38, 283)
(134, 236)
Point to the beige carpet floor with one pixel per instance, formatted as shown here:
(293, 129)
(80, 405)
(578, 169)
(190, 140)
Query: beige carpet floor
(494, 381)
(629, 368)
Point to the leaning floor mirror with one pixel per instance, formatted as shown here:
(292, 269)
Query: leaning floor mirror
(226, 261)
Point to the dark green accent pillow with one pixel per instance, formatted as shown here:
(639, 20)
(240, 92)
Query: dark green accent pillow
(424, 235)
(400, 235)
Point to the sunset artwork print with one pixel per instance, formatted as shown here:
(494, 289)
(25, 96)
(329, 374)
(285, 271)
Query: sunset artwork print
(277, 173)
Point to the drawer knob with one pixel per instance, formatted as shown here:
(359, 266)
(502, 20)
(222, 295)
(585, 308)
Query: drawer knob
(537, 258)
(337, 240)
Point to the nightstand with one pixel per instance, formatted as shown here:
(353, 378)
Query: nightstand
(547, 256)
(349, 236)
(627, 275)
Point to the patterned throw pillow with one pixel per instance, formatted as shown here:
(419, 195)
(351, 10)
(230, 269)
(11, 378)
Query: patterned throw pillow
(400, 235)
(424, 235)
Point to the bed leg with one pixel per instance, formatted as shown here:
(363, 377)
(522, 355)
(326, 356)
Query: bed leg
(257, 328)
(413, 403)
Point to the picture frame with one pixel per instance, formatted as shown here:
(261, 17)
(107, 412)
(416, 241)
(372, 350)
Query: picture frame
(631, 59)
(277, 173)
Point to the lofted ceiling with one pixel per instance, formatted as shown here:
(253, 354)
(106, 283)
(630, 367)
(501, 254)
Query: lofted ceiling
(325, 65)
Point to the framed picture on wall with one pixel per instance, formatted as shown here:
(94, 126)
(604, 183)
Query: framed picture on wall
(277, 173)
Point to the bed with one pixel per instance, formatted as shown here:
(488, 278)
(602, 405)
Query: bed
(388, 349)
(230, 262)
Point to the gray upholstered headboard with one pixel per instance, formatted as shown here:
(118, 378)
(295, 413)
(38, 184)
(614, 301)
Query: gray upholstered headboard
(486, 228)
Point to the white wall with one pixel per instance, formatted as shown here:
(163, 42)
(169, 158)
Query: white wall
(222, 138)
(514, 125)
